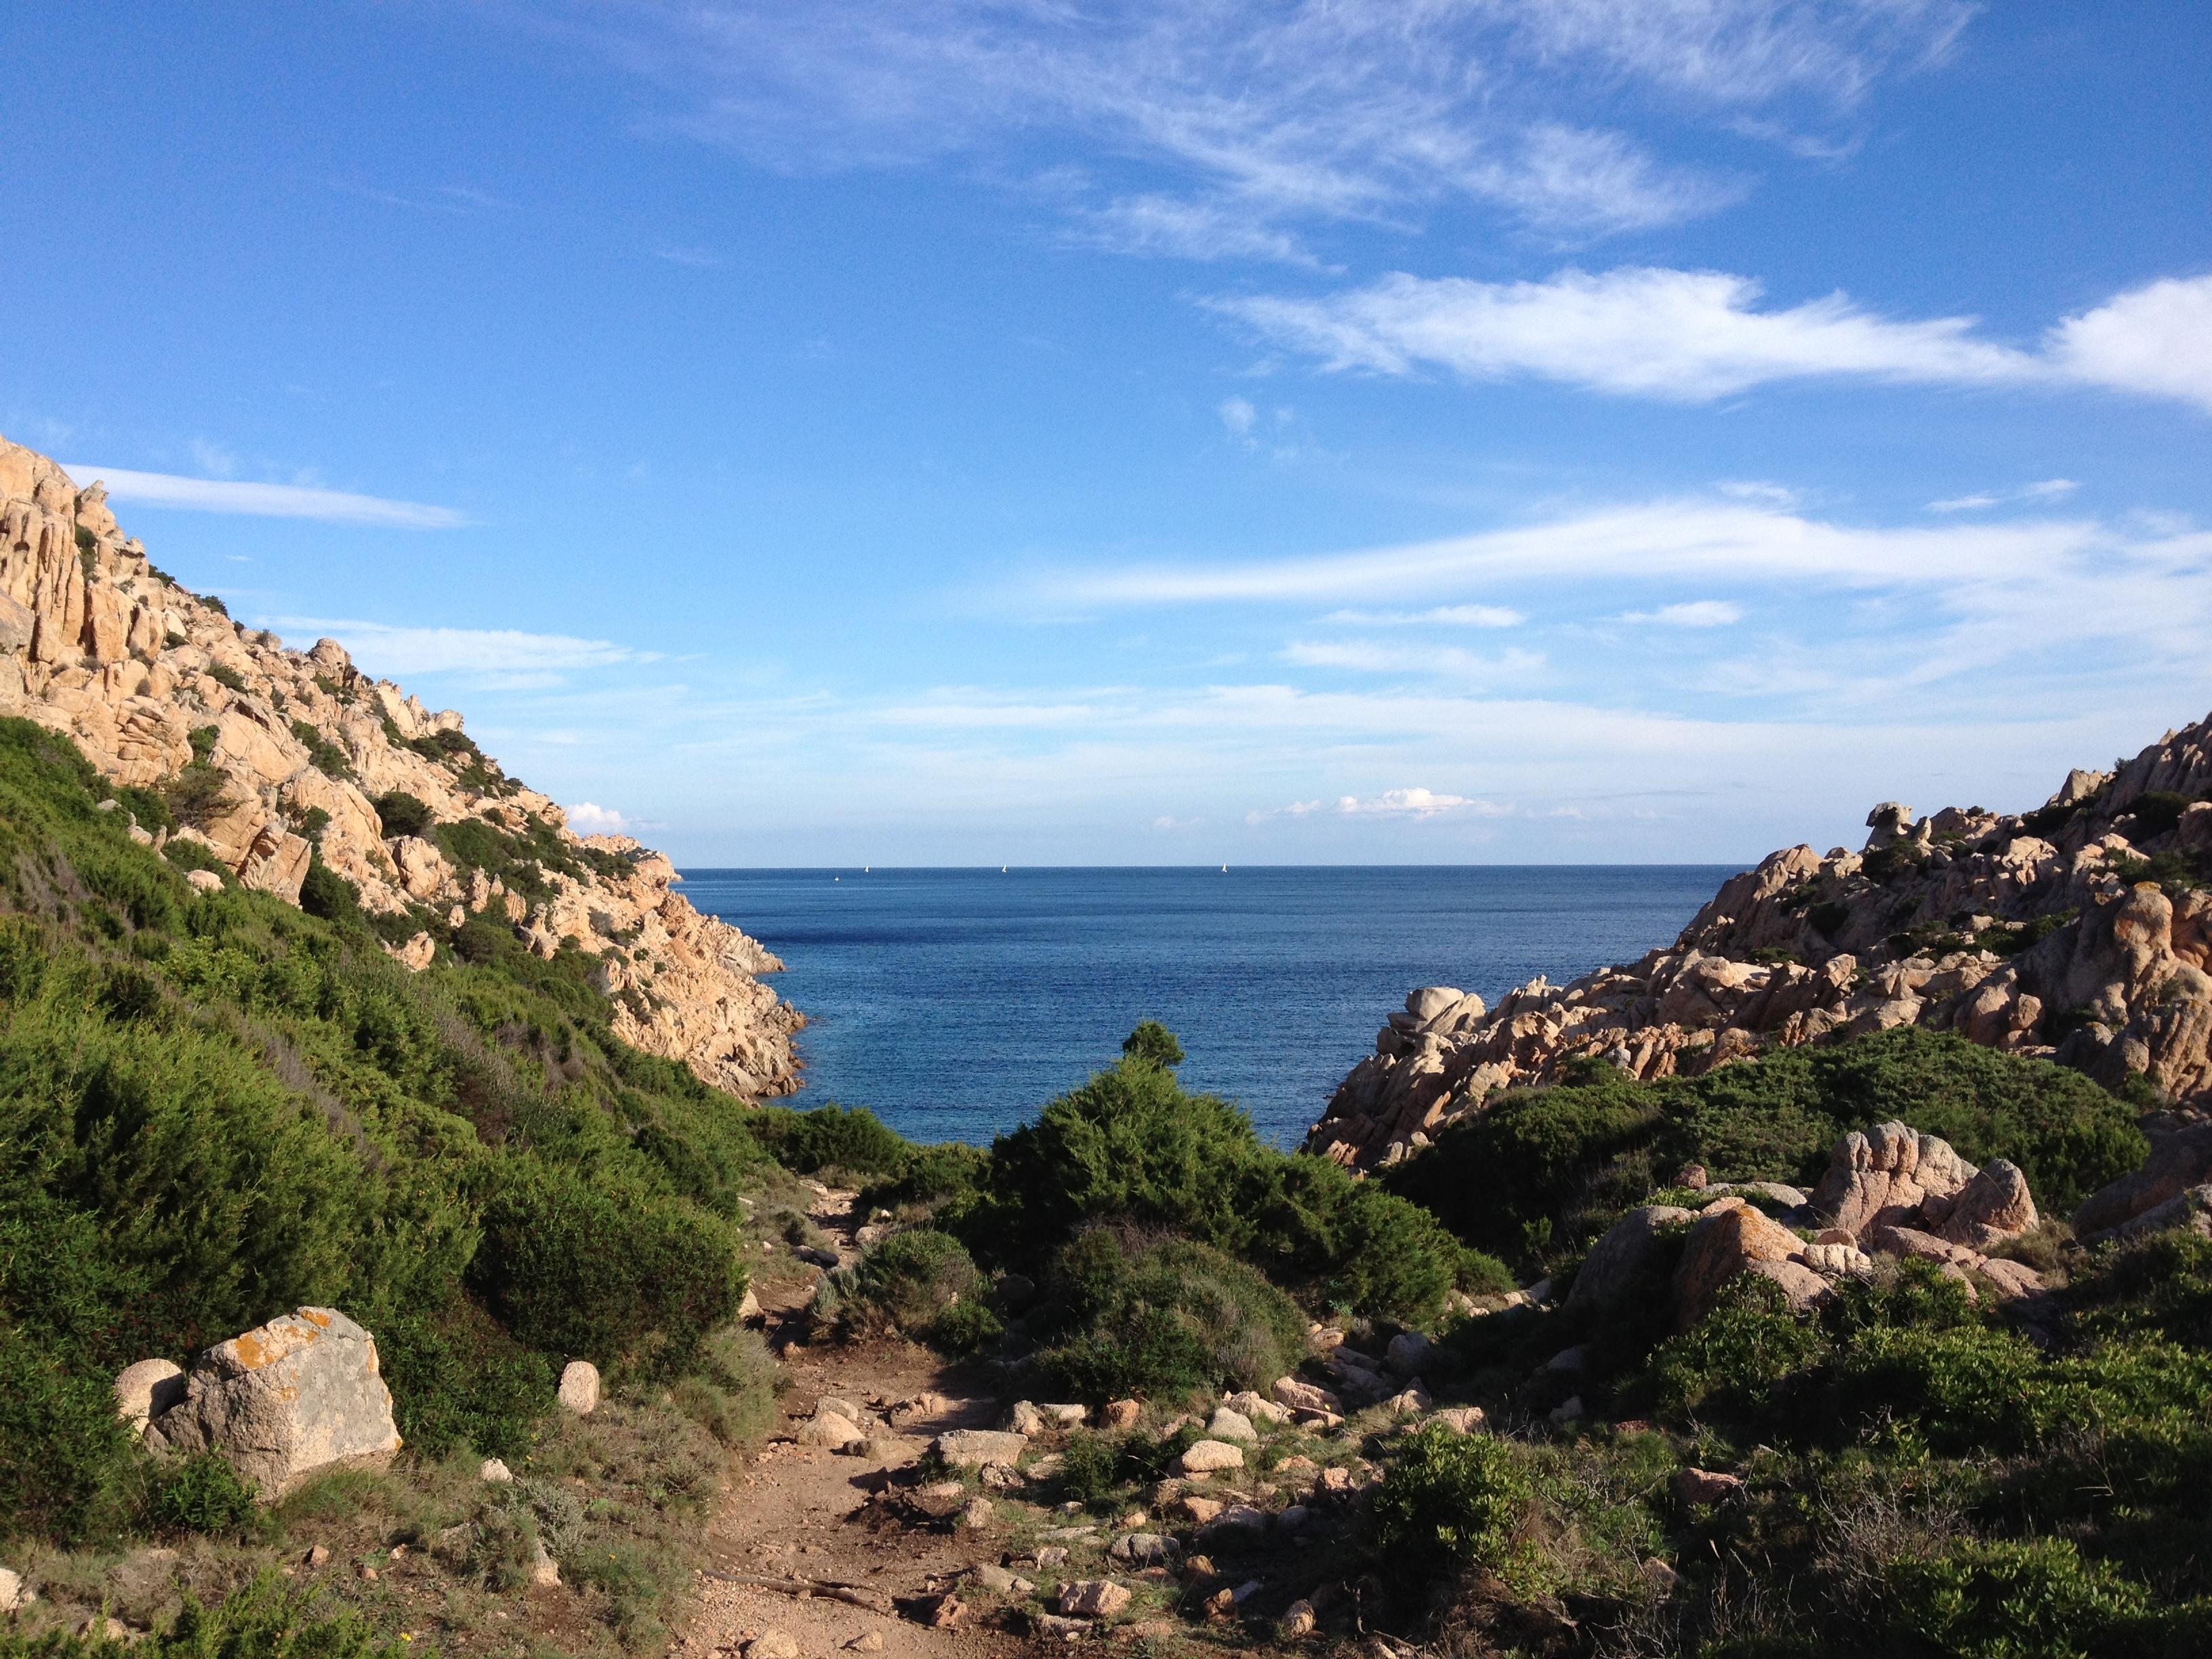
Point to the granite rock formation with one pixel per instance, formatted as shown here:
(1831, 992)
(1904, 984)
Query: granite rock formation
(2079, 930)
(273, 758)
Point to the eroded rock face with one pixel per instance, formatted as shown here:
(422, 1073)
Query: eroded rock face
(1924, 926)
(286, 1401)
(96, 644)
(1884, 1177)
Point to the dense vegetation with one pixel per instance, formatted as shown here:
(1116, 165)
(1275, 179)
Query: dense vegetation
(214, 1107)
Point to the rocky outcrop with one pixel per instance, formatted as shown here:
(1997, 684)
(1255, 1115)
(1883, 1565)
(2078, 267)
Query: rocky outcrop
(1730, 1237)
(2074, 931)
(285, 1402)
(274, 758)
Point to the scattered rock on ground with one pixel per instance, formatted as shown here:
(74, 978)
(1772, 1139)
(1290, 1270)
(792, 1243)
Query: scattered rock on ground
(580, 1386)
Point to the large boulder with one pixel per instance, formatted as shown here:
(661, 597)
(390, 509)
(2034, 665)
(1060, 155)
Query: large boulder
(1615, 1259)
(286, 1401)
(1883, 1177)
(1731, 1238)
(1995, 1206)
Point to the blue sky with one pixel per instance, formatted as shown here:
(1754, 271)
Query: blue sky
(1045, 433)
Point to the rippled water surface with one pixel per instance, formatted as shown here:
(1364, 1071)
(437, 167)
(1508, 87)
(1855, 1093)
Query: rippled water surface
(956, 1002)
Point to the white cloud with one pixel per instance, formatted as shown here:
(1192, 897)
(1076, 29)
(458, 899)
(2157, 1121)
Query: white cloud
(1684, 335)
(2155, 339)
(1455, 616)
(1237, 415)
(1372, 656)
(588, 818)
(1696, 613)
(1419, 803)
(265, 499)
(1692, 336)
(1212, 130)
(520, 659)
(2048, 489)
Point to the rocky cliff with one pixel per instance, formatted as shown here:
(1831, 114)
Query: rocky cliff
(2079, 930)
(271, 767)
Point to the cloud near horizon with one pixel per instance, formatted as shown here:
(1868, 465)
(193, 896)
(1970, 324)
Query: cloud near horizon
(267, 500)
(1693, 335)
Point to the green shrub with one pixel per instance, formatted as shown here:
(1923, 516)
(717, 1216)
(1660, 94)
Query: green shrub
(585, 1270)
(1153, 1044)
(200, 1493)
(325, 893)
(1127, 1318)
(1734, 1360)
(1132, 1145)
(947, 1176)
(1452, 1500)
(323, 755)
(226, 676)
(831, 1137)
(459, 1380)
(912, 1278)
(268, 1618)
(1088, 1466)
(401, 814)
(2036, 1599)
(197, 795)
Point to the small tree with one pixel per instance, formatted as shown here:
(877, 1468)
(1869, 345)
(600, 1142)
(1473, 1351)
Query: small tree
(1152, 1043)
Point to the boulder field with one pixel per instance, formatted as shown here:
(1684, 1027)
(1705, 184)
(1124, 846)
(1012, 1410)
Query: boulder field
(2063, 933)
(287, 753)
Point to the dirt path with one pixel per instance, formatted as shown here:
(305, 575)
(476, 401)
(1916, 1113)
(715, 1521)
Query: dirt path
(792, 1510)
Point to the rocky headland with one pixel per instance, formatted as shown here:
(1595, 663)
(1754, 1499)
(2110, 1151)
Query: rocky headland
(2078, 932)
(269, 766)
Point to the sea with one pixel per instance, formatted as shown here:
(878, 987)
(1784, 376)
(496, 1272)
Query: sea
(955, 1003)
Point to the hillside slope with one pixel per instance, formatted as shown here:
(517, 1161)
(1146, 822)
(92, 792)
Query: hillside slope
(2079, 932)
(271, 762)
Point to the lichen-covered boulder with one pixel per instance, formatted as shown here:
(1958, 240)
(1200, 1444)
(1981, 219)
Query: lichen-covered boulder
(286, 1401)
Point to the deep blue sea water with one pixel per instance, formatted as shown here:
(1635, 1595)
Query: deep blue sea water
(955, 1003)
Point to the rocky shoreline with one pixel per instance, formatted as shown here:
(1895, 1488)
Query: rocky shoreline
(2079, 932)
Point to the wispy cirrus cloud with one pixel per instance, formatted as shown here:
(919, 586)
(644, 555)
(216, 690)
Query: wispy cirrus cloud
(268, 501)
(1215, 130)
(1450, 615)
(2049, 489)
(383, 648)
(1693, 613)
(1693, 335)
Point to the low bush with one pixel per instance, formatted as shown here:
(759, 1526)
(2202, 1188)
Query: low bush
(201, 1493)
(910, 1281)
(1126, 1316)
(1451, 1500)
(1736, 1358)
(832, 1137)
(402, 814)
(2031, 1599)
